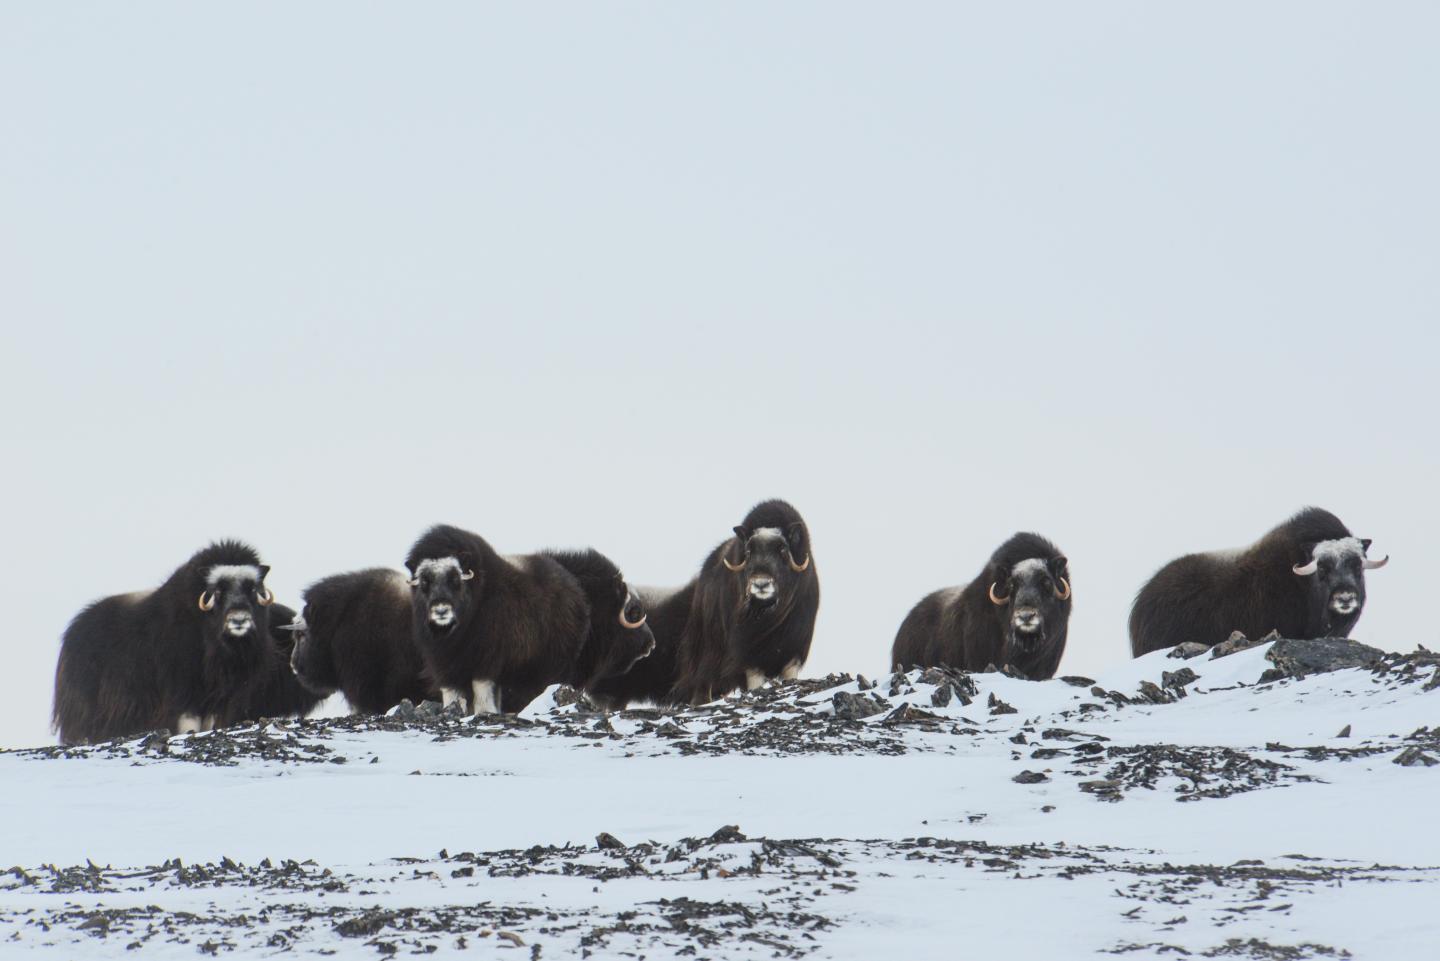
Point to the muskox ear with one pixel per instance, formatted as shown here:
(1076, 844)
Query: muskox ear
(264, 569)
(795, 537)
(1059, 567)
(741, 534)
(1365, 544)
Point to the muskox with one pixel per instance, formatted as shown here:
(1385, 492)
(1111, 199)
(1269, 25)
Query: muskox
(279, 693)
(748, 616)
(185, 656)
(494, 631)
(1014, 614)
(619, 636)
(355, 636)
(1305, 579)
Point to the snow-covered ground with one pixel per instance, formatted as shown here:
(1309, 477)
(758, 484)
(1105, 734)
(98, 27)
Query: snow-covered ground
(1204, 816)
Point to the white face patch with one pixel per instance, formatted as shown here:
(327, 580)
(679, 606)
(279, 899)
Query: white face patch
(1339, 549)
(1031, 565)
(239, 623)
(442, 614)
(768, 534)
(233, 572)
(762, 588)
(437, 566)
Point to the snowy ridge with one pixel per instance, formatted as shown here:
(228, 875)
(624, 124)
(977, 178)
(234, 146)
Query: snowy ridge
(1170, 808)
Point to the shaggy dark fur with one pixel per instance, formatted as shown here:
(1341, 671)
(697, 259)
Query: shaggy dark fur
(961, 627)
(651, 678)
(516, 623)
(612, 648)
(137, 662)
(356, 637)
(280, 693)
(1206, 597)
(748, 624)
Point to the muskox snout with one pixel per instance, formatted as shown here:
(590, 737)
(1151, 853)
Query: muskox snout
(1027, 620)
(442, 614)
(1344, 602)
(762, 588)
(239, 623)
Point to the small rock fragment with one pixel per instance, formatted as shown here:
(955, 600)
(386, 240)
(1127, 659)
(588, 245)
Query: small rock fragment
(1030, 777)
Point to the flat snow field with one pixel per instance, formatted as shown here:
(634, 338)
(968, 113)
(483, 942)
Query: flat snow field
(1173, 808)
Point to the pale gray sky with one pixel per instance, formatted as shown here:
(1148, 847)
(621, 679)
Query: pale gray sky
(1144, 278)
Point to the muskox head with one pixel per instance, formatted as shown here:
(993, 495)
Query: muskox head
(623, 623)
(233, 605)
(312, 659)
(1032, 599)
(1334, 573)
(442, 592)
(770, 562)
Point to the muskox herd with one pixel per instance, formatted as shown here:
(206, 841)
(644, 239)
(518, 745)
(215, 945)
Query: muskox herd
(464, 624)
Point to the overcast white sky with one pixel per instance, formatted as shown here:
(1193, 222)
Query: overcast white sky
(1143, 278)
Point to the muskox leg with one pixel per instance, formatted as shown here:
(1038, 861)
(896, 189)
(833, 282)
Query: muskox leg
(188, 724)
(753, 678)
(449, 695)
(208, 724)
(790, 671)
(487, 698)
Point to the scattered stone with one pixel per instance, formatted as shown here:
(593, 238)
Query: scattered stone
(1075, 680)
(1319, 656)
(608, 842)
(941, 697)
(1412, 756)
(1188, 649)
(1236, 642)
(1344, 731)
(1104, 790)
(855, 707)
(1178, 679)
(998, 707)
(1030, 777)
(729, 834)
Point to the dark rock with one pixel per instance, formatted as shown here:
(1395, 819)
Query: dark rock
(1150, 692)
(998, 707)
(1105, 790)
(729, 834)
(854, 707)
(565, 695)
(1178, 679)
(1322, 655)
(1188, 650)
(608, 842)
(365, 925)
(1412, 756)
(1236, 642)
(941, 697)
(1344, 731)
(1029, 777)
(405, 710)
(1075, 680)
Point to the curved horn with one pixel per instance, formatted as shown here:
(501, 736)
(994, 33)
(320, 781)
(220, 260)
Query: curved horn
(993, 598)
(1065, 596)
(1305, 570)
(467, 575)
(264, 597)
(725, 559)
(1376, 565)
(207, 606)
(799, 568)
(631, 625)
(413, 581)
